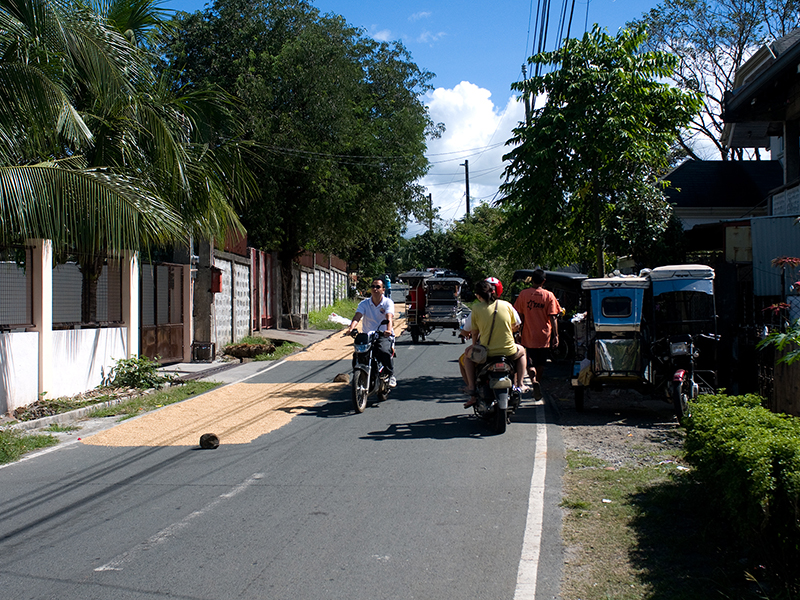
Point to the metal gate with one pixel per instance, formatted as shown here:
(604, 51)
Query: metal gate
(161, 306)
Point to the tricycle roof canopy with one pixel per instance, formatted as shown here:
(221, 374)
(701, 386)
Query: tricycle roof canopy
(414, 277)
(682, 278)
(612, 283)
(681, 272)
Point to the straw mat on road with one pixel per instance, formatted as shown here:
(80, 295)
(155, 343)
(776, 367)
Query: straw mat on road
(237, 414)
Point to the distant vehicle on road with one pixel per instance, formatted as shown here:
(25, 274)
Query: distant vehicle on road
(432, 302)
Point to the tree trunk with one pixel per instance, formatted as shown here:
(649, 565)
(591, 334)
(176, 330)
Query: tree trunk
(91, 267)
(599, 245)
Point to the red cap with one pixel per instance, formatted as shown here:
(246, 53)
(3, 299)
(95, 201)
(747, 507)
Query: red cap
(498, 285)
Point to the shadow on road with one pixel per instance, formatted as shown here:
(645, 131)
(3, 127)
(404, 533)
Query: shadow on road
(443, 428)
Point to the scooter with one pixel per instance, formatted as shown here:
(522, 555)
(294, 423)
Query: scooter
(369, 376)
(497, 398)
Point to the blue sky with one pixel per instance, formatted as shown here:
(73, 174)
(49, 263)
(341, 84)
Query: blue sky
(476, 49)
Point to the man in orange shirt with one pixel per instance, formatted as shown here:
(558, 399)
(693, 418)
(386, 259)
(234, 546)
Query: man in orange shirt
(539, 309)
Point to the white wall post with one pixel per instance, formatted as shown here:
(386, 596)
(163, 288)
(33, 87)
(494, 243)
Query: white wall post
(42, 313)
(188, 316)
(129, 265)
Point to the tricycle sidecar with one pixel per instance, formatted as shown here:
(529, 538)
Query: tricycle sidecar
(655, 333)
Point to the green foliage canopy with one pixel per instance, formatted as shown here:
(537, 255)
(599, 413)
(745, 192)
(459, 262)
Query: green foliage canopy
(337, 115)
(592, 153)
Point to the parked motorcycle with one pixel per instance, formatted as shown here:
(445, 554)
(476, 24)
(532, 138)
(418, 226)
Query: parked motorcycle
(679, 355)
(497, 398)
(369, 376)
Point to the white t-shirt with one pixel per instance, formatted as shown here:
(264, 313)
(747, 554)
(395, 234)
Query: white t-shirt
(373, 315)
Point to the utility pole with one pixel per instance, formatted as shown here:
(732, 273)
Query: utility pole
(465, 164)
(430, 212)
(527, 97)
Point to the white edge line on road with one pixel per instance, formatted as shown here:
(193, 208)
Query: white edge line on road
(116, 563)
(531, 544)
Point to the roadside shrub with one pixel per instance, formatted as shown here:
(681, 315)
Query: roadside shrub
(749, 458)
(137, 372)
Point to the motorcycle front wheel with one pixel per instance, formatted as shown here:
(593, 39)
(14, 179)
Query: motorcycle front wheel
(681, 394)
(360, 390)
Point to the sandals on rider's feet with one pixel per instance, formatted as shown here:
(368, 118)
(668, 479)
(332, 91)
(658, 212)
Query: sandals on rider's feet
(472, 398)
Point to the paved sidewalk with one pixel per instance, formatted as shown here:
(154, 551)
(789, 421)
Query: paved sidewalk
(228, 371)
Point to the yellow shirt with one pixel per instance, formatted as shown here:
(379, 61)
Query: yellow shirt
(501, 342)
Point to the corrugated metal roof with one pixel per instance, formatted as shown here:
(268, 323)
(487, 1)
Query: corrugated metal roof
(773, 237)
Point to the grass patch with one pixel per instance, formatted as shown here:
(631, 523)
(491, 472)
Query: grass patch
(60, 428)
(15, 443)
(282, 350)
(319, 319)
(645, 532)
(147, 402)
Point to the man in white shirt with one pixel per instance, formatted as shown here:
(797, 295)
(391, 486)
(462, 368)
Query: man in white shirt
(374, 310)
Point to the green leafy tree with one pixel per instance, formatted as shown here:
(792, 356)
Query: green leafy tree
(480, 245)
(338, 116)
(592, 153)
(712, 40)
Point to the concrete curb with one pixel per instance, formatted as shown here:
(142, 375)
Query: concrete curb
(73, 415)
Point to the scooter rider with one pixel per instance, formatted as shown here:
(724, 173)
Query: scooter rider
(374, 310)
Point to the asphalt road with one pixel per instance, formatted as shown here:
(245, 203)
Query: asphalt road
(414, 498)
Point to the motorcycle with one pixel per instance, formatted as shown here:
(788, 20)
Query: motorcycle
(369, 376)
(679, 356)
(497, 398)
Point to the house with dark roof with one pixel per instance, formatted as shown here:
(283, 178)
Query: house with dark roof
(712, 191)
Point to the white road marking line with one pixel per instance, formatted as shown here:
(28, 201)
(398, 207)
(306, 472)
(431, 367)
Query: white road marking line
(165, 534)
(532, 543)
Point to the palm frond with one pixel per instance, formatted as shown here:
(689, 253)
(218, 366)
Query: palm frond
(88, 209)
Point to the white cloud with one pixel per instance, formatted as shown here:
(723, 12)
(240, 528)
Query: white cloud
(476, 131)
(419, 15)
(428, 37)
(381, 35)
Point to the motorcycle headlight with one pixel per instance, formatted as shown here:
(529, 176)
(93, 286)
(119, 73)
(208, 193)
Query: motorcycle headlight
(361, 347)
(679, 348)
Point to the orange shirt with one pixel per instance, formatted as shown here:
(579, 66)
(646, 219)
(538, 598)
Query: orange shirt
(536, 306)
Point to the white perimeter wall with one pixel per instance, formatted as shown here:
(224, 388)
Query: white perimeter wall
(19, 369)
(84, 356)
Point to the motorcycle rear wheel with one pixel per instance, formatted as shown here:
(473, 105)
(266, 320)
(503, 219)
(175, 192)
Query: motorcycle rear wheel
(500, 420)
(681, 394)
(359, 390)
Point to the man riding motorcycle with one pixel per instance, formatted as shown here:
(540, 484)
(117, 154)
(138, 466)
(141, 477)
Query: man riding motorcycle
(374, 310)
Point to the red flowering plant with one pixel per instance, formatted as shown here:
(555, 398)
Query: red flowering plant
(786, 339)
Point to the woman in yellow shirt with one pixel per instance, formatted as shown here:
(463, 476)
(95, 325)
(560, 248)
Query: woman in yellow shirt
(493, 323)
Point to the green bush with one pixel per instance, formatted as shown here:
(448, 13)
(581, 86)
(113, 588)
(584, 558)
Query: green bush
(749, 458)
(137, 372)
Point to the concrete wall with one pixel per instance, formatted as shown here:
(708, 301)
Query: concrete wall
(232, 308)
(19, 369)
(41, 362)
(84, 357)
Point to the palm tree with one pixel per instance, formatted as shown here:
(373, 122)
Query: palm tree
(97, 153)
